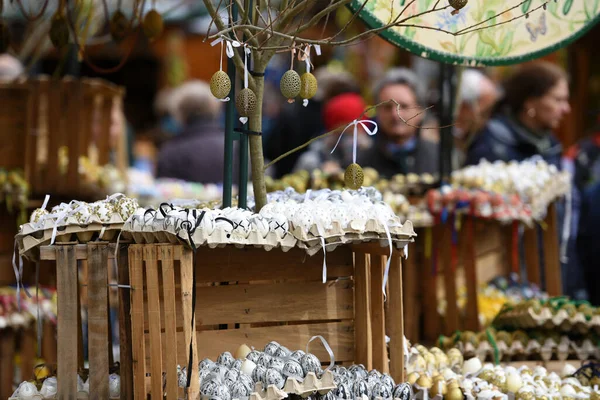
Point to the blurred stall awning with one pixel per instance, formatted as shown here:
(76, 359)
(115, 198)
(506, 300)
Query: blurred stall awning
(484, 32)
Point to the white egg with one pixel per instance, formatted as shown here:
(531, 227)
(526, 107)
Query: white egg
(114, 385)
(471, 366)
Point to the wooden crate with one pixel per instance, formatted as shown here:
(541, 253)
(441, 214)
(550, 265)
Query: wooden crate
(242, 296)
(44, 118)
(99, 257)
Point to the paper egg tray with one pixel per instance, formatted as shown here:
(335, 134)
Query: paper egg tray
(372, 227)
(314, 245)
(80, 396)
(30, 240)
(561, 321)
(548, 350)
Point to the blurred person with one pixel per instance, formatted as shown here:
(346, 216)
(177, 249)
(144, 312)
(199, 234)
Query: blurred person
(535, 100)
(10, 67)
(588, 240)
(338, 112)
(476, 99)
(297, 124)
(398, 147)
(196, 153)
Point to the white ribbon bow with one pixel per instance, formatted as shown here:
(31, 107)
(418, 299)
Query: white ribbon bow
(355, 123)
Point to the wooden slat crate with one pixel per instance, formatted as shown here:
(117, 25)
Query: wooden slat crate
(45, 122)
(98, 256)
(242, 296)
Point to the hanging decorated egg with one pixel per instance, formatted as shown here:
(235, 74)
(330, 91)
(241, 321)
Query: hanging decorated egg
(4, 37)
(153, 24)
(245, 102)
(457, 5)
(220, 85)
(308, 85)
(59, 30)
(354, 176)
(290, 85)
(119, 26)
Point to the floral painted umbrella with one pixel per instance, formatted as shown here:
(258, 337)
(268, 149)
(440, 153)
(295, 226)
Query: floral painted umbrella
(483, 32)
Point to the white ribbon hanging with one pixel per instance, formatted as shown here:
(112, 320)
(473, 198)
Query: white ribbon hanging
(327, 348)
(19, 274)
(243, 120)
(355, 123)
(214, 43)
(305, 56)
(566, 231)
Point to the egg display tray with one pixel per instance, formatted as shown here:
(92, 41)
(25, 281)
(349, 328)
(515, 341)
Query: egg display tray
(545, 319)
(303, 388)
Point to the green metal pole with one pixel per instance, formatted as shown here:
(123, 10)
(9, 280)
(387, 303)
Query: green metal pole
(229, 124)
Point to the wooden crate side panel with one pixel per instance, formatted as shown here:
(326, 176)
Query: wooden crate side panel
(250, 264)
(14, 120)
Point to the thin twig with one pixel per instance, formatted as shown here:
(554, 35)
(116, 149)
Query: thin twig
(474, 29)
(212, 21)
(350, 21)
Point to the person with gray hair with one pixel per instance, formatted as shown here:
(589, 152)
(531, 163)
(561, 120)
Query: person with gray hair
(399, 147)
(196, 154)
(477, 97)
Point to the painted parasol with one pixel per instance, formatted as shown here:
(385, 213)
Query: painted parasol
(483, 32)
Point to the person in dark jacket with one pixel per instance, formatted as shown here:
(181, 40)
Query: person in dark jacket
(398, 147)
(536, 98)
(588, 240)
(196, 154)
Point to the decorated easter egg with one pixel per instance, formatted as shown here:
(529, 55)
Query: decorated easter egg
(277, 363)
(290, 85)
(381, 390)
(271, 348)
(402, 391)
(253, 356)
(119, 26)
(310, 363)
(292, 369)
(308, 85)
(225, 359)
(153, 25)
(274, 377)
(361, 388)
(126, 207)
(354, 176)
(220, 85)
(264, 360)
(282, 352)
(114, 385)
(297, 355)
(245, 102)
(258, 374)
(343, 392)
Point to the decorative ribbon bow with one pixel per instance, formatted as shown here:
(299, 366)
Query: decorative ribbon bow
(363, 123)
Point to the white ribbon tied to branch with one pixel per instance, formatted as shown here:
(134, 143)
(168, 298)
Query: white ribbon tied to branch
(230, 44)
(363, 123)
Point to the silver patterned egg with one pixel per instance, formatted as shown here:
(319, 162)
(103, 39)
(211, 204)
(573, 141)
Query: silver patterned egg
(253, 356)
(247, 381)
(231, 376)
(239, 390)
(219, 370)
(282, 352)
(237, 364)
(209, 387)
(361, 388)
(310, 363)
(207, 363)
(202, 374)
(402, 391)
(293, 369)
(277, 363)
(271, 348)
(343, 392)
(297, 355)
(381, 390)
(358, 371)
(182, 377)
(387, 380)
(274, 377)
(264, 360)
(226, 359)
(223, 393)
(258, 375)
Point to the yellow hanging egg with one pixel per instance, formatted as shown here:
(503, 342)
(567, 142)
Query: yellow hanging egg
(290, 85)
(245, 102)
(153, 24)
(308, 85)
(119, 26)
(354, 176)
(220, 84)
(59, 31)
(4, 37)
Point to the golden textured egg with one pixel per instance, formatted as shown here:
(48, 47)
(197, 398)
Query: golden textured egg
(454, 394)
(424, 381)
(526, 396)
(4, 37)
(153, 24)
(439, 387)
(119, 26)
(290, 85)
(486, 375)
(505, 337)
(59, 30)
(354, 176)
(453, 384)
(308, 85)
(245, 102)
(412, 377)
(220, 85)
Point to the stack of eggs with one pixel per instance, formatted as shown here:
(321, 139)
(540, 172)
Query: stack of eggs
(48, 390)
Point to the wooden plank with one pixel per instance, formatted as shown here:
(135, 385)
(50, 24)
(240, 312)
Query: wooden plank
(380, 361)
(49, 253)
(98, 315)
(125, 342)
(396, 328)
(189, 322)
(152, 291)
(552, 254)
(211, 343)
(362, 313)
(66, 273)
(165, 255)
(532, 255)
(451, 317)
(49, 350)
(410, 285)
(72, 127)
(103, 139)
(467, 251)
(138, 356)
(31, 139)
(231, 264)
(27, 351)
(431, 320)
(55, 116)
(7, 367)
(276, 302)
(80, 354)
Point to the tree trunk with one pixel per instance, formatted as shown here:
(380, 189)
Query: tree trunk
(256, 147)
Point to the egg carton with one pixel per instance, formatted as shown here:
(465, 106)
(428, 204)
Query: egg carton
(29, 243)
(546, 350)
(545, 319)
(315, 245)
(80, 396)
(372, 227)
